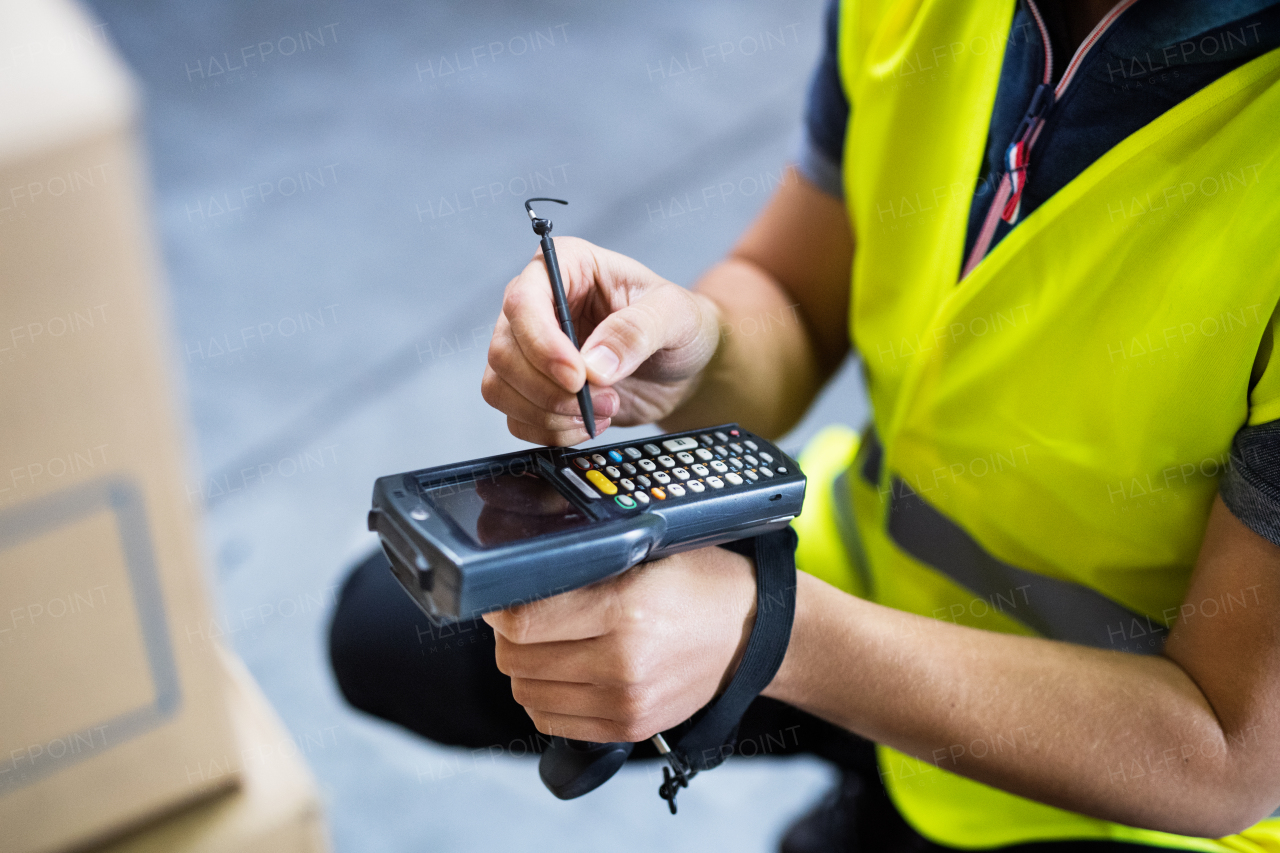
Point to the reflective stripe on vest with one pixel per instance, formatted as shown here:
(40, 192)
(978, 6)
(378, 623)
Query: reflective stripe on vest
(1053, 608)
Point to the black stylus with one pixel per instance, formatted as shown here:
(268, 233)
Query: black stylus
(542, 227)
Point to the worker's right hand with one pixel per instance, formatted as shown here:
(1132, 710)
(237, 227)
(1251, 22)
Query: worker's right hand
(645, 341)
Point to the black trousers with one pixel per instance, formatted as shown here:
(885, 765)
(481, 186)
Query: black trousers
(442, 683)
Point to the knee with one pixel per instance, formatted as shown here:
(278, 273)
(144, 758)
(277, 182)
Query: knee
(356, 643)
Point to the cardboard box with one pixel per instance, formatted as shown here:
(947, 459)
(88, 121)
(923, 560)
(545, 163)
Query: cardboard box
(275, 809)
(104, 701)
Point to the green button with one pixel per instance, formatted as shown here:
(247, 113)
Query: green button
(625, 502)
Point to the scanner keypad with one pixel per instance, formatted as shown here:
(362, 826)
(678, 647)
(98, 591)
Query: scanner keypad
(670, 469)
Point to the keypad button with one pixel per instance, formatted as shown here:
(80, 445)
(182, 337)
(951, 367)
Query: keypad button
(680, 473)
(733, 479)
(632, 452)
(703, 454)
(751, 460)
(625, 502)
(599, 460)
(627, 485)
(707, 440)
(768, 460)
(751, 445)
(719, 467)
(628, 469)
(735, 447)
(675, 490)
(685, 457)
(733, 432)
(751, 475)
(782, 469)
(642, 498)
(721, 451)
(646, 465)
(601, 482)
(735, 463)
(715, 482)
(582, 462)
(675, 444)
(652, 449)
(662, 477)
(722, 436)
(666, 462)
(766, 472)
(700, 470)
(658, 493)
(615, 456)
(612, 472)
(572, 477)
(696, 487)
(644, 481)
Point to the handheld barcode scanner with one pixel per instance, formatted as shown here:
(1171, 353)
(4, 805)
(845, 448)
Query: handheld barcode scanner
(492, 533)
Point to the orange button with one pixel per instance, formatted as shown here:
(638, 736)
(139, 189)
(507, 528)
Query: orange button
(658, 493)
(601, 482)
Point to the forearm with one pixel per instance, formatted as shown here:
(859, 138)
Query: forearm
(1121, 737)
(765, 372)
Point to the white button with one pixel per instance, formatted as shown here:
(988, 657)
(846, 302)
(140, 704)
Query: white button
(676, 490)
(751, 445)
(696, 486)
(767, 458)
(766, 472)
(646, 465)
(782, 469)
(751, 460)
(703, 454)
(733, 479)
(681, 474)
(612, 472)
(666, 462)
(715, 482)
(721, 450)
(701, 470)
(642, 497)
(662, 478)
(685, 457)
(722, 436)
(627, 484)
(579, 483)
(751, 475)
(719, 467)
(735, 447)
(599, 460)
(676, 444)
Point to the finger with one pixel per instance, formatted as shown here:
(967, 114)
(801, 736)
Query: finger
(530, 312)
(590, 661)
(666, 317)
(579, 614)
(582, 700)
(567, 418)
(592, 729)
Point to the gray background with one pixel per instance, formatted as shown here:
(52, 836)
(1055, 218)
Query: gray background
(332, 328)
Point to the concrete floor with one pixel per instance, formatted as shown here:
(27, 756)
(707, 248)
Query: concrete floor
(337, 193)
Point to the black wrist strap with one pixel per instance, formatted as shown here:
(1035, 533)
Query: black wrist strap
(712, 737)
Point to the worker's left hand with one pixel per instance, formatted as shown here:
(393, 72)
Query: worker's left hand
(634, 655)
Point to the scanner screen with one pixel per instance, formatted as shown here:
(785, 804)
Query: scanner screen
(506, 508)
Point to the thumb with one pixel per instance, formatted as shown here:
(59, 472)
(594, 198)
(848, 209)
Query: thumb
(664, 318)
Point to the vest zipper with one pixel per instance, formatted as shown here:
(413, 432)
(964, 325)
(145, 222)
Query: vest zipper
(1007, 204)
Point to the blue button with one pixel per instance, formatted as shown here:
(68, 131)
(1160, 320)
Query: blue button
(615, 456)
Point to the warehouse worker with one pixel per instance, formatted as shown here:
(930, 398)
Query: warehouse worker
(1046, 580)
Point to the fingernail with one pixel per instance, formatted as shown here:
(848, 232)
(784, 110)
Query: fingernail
(602, 360)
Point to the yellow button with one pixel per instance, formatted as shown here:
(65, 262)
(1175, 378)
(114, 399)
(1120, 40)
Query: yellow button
(601, 482)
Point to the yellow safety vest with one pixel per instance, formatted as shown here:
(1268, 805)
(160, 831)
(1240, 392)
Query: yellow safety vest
(1048, 433)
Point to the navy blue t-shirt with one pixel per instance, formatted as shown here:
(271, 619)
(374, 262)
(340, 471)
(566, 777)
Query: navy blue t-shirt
(1153, 57)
